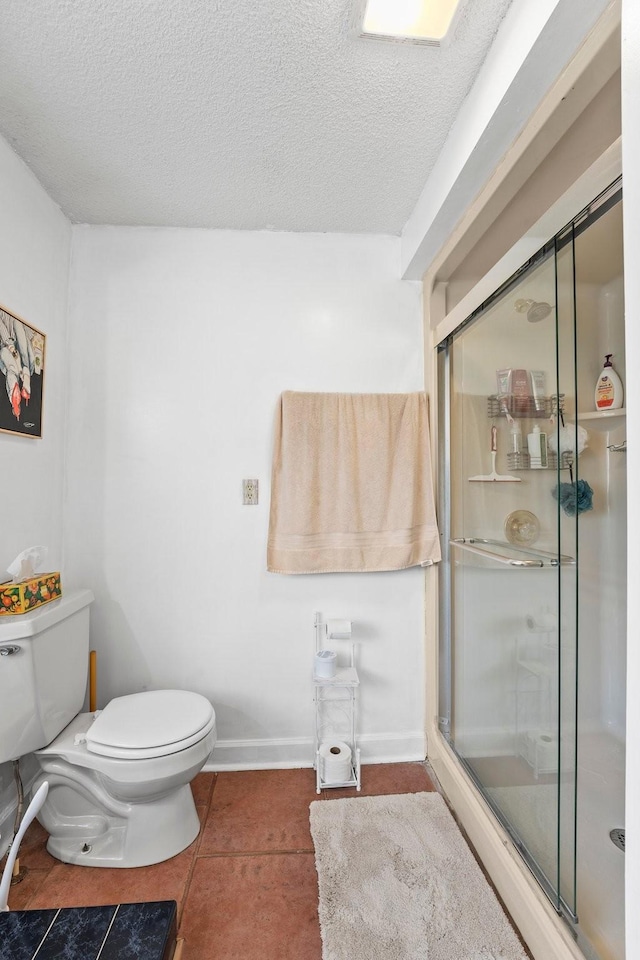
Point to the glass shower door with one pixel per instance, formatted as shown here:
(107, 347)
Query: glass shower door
(508, 377)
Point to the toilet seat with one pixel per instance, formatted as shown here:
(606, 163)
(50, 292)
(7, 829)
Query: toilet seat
(155, 723)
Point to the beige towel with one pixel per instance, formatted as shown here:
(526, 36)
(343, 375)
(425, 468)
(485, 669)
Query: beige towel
(351, 484)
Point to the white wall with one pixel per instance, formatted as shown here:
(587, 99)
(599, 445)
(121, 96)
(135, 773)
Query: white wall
(180, 344)
(34, 261)
(631, 168)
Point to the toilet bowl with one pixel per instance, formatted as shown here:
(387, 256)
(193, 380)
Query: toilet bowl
(119, 793)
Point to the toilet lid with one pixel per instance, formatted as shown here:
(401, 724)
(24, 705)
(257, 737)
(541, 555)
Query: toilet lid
(150, 721)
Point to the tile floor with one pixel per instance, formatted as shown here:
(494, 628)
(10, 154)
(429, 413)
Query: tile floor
(246, 887)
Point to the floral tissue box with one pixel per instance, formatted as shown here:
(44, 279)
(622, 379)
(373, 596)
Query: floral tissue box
(23, 596)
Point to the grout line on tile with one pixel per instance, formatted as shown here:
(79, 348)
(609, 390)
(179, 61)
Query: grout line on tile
(214, 780)
(254, 853)
(38, 887)
(198, 842)
(46, 934)
(186, 888)
(115, 914)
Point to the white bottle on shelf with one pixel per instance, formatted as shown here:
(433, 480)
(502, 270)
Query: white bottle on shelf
(537, 446)
(609, 392)
(515, 437)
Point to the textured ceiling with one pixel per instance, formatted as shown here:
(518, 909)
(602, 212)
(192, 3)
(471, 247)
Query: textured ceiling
(245, 114)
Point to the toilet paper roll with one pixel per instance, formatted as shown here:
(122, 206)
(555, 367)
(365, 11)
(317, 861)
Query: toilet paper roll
(335, 762)
(325, 663)
(339, 629)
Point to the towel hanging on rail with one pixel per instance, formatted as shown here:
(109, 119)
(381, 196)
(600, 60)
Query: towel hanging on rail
(351, 484)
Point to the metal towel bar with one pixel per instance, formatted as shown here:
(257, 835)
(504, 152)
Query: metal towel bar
(541, 557)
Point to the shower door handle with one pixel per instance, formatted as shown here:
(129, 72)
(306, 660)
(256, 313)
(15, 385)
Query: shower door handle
(540, 557)
(500, 558)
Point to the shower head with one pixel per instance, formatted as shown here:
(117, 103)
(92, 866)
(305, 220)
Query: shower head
(534, 311)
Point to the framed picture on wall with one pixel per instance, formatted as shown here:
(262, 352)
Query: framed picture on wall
(21, 376)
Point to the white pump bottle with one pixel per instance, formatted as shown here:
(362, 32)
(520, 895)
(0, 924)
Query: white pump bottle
(609, 392)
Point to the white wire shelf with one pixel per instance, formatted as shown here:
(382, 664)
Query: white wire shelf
(344, 677)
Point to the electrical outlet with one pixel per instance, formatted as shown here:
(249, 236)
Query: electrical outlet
(250, 493)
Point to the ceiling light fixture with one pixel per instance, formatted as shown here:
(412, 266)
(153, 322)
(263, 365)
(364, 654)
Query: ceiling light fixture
(420, 21)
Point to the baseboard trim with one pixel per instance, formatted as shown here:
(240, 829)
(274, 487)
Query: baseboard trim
(296, 752)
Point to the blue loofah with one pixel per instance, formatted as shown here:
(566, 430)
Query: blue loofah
(574, 498)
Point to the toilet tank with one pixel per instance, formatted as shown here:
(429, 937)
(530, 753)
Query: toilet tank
(44, 658)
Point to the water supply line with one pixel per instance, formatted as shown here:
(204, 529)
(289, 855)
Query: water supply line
(32, 810)
(92, 680)
(16, 875)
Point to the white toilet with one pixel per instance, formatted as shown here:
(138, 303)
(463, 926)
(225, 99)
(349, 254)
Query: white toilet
(119, 792)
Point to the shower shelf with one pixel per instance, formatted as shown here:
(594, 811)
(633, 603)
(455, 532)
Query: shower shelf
(604, 419)
(524, 408)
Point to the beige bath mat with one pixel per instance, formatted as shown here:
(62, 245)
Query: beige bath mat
(397, 881)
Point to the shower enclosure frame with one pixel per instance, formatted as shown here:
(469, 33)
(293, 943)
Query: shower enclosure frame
(561, 888)
(544, 930)
(501, 553)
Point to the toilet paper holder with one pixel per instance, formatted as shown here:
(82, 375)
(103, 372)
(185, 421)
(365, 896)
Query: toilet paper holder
(335, 692)
(327, 630)
(330, 630)
(338, 629)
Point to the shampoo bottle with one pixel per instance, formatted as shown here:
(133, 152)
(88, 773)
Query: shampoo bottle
(537, 446)
(608, 395)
